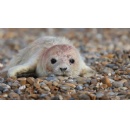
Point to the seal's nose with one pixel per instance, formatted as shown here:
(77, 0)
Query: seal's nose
(63, 69)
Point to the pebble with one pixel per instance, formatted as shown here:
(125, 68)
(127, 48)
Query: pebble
(92, 96)
(94, 81)
(84, 97)
(34, 96)
(110, 65)
(64, 88)
(99, 95)
(55, 98)
(115, 67)
(70, 80)
(42, 95)
(5, 90)
(111, 93)
(5, 95)
(55, 83)
(117, 84)
(22, 80)
(128, 65)
(1, 65)
(22, 87)
(42, 84)
(107, 70)
(70, 85)
(30, 80)
(86, 85)
(5, 85)
(49, 83)
(51, 78)
(46, 88)
(14, 96)
(60, 97)
(15, 84)
(106, 81)
(1, 88)
(1, 80)
(88, 80)
(81, 80)
(60, 78)
(128, 70)
(18, 91)
(123, 88)
(79, 87)
(0, 92)
(27, 85)
(72, 91)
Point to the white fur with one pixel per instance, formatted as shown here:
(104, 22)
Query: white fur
(27, 59)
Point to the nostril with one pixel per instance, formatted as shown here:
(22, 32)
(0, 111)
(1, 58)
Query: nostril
(63, 69)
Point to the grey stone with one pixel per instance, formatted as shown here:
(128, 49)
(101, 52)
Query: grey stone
(42, 84)
(99, 94)
(43, 95)
(64, 88)
(117, 84)
(86, 85)
(70, 80)
(1, 88)
(52, 78)
(88, 80)
(0, 92)
(84, 97)
(111, 93)
(18, 91)
(110, 65)
(115, 67)
(22, 87)
(5, 90)
(107, 70)
(94, 81)
(1, 80)
(79, 87)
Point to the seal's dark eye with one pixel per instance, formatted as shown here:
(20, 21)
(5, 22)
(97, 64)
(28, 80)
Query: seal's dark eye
(53, 61)
(72, 61)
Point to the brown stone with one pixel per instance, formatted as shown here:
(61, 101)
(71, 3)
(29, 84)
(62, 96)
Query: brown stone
(49, 83)
(27, 85)
(22, 80)
(106, 81)
(92, 96)
(70, 84)
(30, 80)
(54, 89)
(34, 96)
(60, 78)
(104, 85)
(13, 96)
(109, 56)
(30, 90)
(55, 83)
(128, 70)
(46, 88)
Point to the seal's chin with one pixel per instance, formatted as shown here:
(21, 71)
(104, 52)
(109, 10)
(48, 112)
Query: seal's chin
(62, 74)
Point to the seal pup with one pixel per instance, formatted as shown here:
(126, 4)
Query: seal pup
(49, 55)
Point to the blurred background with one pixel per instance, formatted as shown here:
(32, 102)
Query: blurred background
(91, 42)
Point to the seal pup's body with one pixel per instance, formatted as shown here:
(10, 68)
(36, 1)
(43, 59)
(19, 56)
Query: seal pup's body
(49, 55)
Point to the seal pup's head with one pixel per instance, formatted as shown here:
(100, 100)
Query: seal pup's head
(61, 59)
